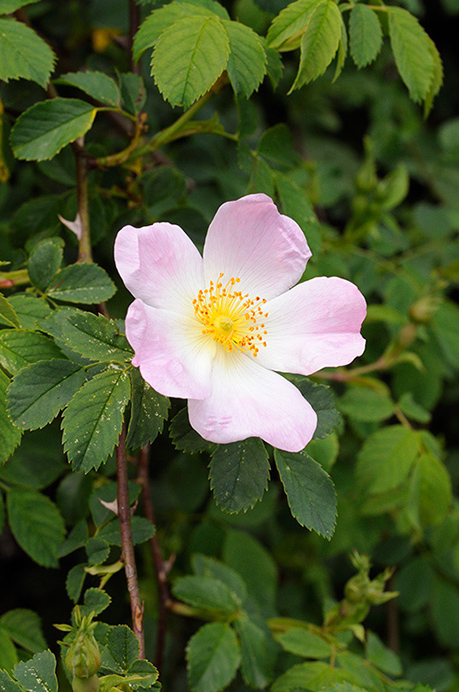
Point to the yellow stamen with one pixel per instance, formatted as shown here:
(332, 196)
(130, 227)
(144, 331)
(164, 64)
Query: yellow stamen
(230, 317)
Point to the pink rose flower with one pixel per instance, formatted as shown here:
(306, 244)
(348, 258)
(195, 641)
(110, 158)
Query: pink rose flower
(214, 329)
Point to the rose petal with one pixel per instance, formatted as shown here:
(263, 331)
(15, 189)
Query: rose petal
(249, 401)
(314, 325)
(249, 239)
(159, 264)
(170, 350)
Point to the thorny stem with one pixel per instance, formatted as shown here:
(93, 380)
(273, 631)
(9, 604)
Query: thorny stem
(160, 567)
(84, 248)
(127, 546)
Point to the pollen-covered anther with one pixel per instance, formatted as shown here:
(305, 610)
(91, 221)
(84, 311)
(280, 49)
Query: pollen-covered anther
(231, 317)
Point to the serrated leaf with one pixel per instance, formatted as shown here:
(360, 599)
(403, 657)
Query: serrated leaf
(92, 421)
(310, 492)
(29, 309)
(433, 486)
(36, 524)
(38, 392)
(141, 528)
(10, 436)
(247, 59)
(38, 674)
(365, 35)
(133, 92)
(188, 59)
(342, 52)
(386, 458)
(97, 338)
(161, 19)
(288, 27)
(302, 642)
(7, 684)
(20, 347)
(123, 646)
(148, 412)
(81, 283)
(44, 263)
(256, 656)
(7, 313)
(319, 44)
(437, 79)
(184, 437)
(24, 628)
(98, 85)
(95, 601)
(251, 560)
(74, 582)
(206, 592)
(239, 474)
(322, 401)
(213, 657)
(45, 128)
(312, 675)
(97, 550)
(412, 52)
(23, 54)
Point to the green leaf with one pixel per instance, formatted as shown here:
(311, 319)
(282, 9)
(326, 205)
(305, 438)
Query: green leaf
(10, 436)
(123, 646)
(10, 6)
(44, 262)
(302, 642)
(433, 488)
(38, 392)
(208, 567)
(189, 57)
(363, 403)
(386, 458)
(288, 27)
(148, 412)
(321, 398)
(97, 550)
(24, 628)
(29, 309)
(7, 684)
(81, 283)
(319, 44)
(365, 35)
(437, 79)
(38, 674)
(325, 451)
(23, 54)
(8, 654)
(445, 612)
(412, 52)
(98, 85)
(239, 474)
(247, 60)
(36, 524)
(142, 529)
(42, 131)
(7, 313)
(296, 205)
(256, 566)
(276, 145)
(382, 657)
(163, 18)
(313, 675)
(97, 338)
(213, 657)
(133, 92)
(206, 592)
(256, 656)
(95, 601)
(19, 348)
(92, 420)
(184, 437)
(310, 492)
(74, 582)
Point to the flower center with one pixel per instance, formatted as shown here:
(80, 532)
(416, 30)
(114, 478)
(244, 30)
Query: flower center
(230, 317)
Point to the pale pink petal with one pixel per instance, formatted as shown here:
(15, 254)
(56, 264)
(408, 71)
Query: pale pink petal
(250, 401)
(159, 264)
(314, 325)
(170, 351)
(250, 240)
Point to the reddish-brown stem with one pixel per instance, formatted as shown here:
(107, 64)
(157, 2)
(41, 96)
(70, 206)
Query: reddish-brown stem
(84, 246)
(127, 546)
(160, 567)
(393, 621)
(134, 19)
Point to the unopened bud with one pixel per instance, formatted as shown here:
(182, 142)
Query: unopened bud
(424, 309)
(83, 658)
(90, 684)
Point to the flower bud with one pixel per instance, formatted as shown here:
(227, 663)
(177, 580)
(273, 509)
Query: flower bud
(90, 684)
(83, 658)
